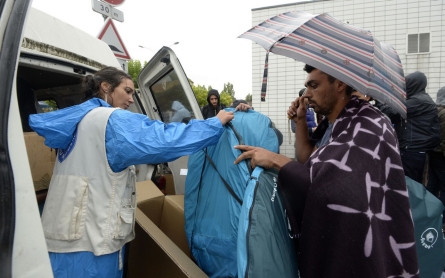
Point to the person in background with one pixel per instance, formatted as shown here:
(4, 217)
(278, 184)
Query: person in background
(89, 214)
(436, 168)
(419, 134)
(346, 200)
(181, 115)
(310, 118)
(214, 105)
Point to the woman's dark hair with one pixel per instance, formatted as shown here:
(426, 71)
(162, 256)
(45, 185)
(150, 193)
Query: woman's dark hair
(308, 68)
(91, 83)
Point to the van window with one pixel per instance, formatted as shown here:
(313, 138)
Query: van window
(48, 105)
(171, 99)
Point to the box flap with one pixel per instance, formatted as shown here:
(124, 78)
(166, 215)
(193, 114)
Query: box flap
(150, 200)
(153, 254)
(173, 222)
(169, 184)
(177, 200)
(147, 190)
(41, 160)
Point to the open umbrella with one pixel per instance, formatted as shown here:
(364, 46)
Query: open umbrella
(348, 53)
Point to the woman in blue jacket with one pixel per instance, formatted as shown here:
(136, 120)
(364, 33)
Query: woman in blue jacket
(89, 211)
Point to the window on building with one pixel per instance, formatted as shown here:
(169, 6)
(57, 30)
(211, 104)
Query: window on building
(419, 43)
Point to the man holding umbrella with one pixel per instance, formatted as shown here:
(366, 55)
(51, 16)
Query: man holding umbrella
(346, 195)
(346, 199)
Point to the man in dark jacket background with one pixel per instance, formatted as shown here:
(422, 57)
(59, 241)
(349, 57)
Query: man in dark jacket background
(436, 167)
(213, 106)
(419, 133)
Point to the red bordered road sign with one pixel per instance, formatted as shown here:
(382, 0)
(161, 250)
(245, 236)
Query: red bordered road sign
(110, 35)
(114, 2)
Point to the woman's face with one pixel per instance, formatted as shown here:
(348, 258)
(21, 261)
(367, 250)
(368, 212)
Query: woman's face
(122, 96)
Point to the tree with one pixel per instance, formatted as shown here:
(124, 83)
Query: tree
(225, 98)
(249, 98)
(200, 94)
(134, 68)
(228, 88)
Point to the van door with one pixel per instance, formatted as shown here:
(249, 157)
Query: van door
(23, 249)
(166, 93)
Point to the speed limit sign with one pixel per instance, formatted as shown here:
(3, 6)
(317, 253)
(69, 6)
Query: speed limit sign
(114, 2)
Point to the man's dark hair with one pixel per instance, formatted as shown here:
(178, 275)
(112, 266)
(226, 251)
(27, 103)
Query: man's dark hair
(237, 102)
(308, 68)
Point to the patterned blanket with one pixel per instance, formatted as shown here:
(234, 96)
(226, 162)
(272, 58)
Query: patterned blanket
(349, 205)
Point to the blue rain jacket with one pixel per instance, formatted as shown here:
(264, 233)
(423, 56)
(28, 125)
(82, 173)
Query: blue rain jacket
(130, 138)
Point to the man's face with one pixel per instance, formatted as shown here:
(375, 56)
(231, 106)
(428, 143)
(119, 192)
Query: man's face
(214, 100)
(320, 93)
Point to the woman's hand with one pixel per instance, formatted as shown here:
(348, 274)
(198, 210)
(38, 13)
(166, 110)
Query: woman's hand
(224, 116)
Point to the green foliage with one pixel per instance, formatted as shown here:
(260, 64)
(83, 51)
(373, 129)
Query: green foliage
(134, 68)
(52, 105)
(200, 94)
(249, 98)
(228, 88)
(226, 98)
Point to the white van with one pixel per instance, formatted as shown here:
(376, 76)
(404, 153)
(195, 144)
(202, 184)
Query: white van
(42, 63)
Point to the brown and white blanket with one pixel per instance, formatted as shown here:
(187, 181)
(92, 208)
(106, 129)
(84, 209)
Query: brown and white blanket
(349, 203)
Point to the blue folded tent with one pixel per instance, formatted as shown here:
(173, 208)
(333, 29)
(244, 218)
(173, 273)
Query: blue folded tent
(427, 211)
(215, 195)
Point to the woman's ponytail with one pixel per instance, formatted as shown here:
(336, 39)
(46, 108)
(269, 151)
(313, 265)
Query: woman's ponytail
(90, 88)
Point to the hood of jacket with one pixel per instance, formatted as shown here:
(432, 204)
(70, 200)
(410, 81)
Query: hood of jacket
(177, 105)
(213, 92)
(415, 83)
(58, 127)
(440, 99)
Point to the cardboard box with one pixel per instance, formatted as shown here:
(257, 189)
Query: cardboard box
(160, 248)
(169, 184)
(41, 160)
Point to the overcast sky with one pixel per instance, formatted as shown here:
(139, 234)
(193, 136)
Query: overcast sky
(207, 31)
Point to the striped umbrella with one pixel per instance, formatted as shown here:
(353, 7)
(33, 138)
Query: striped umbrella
(348, 53)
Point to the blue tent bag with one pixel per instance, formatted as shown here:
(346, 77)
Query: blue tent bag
(265, 248)
(427, 216)
(212, 210)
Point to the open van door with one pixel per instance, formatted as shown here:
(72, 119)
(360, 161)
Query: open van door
(23, 251)
(166, 93)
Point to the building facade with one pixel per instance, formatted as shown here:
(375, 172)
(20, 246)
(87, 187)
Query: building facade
(415, 28)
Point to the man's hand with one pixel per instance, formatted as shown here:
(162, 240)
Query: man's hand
(297, 109)
(224, 116)
(261, 157)
(243, 107)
